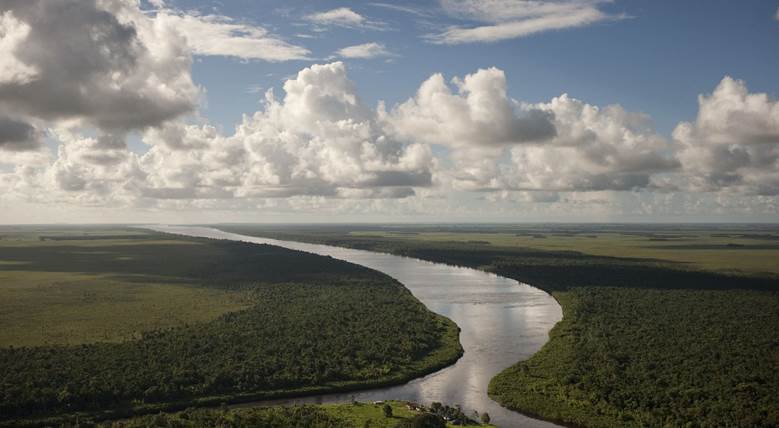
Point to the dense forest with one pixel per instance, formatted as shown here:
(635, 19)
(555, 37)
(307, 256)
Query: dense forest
(268, 417)
(642, 342)
(648, 357)
(315, 324)
(388, 414)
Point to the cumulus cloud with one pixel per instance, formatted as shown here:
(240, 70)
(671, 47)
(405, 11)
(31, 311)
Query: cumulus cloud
(90, 171)
(510, 19)
(109, 65)
(497, 143)
(320, 137)
(105, 64)
(479, 113)
(594, 149)
(12, 33)
(318, 146)
(343, 17)
(318, 140)
(221, 36)
(364, 51)
(734, 142)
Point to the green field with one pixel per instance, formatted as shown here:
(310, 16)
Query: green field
(59, 308)
(101, 323)
(100, 285)
(750, 252)
(663, 325)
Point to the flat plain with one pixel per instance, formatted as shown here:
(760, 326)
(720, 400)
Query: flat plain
(74, 286)
(738, 250)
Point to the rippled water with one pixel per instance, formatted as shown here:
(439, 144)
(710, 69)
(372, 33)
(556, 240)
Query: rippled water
(502, 322)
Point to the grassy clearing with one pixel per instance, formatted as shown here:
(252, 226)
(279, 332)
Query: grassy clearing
(102, 285)
(61, 308)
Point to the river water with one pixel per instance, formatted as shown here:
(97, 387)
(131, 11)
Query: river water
(502, 321)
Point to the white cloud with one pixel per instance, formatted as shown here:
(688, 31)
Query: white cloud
(595, 149)
(102, 64)
(497, 143)
(365, 51)
(343, 17)
(319, 148)
(416, 11)
(733, 143)
(12, 33)
(221, 36)
(480, 113)
(318, 140)
(510, 19)
(321, 139)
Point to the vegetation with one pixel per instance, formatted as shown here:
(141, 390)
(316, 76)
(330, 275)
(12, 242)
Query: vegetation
(731, 249)
(309, 416)
(644, 340)
(84, 289)
(644, 357)
(270, 417)
(424, 420)
(303, 324)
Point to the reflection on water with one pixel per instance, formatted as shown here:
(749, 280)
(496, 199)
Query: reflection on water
(502, 322)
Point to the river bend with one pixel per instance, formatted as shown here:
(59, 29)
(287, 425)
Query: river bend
(502, 321)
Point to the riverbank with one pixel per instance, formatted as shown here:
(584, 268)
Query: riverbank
(446, 354)
(501, 322)
(356, 414)
(305, 324)
(642, 341)
(648, 357)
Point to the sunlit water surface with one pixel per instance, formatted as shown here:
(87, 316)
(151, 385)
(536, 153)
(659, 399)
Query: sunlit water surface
(502, 321)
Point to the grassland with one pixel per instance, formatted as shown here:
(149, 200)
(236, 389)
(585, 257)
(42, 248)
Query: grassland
(282, 323)
(739, 252)
(687, 337)
(52, 308)
(82, 285)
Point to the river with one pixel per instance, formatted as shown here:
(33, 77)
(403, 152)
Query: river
(502, 321)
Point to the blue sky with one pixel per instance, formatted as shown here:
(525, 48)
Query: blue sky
(492, 110)
(656, 59)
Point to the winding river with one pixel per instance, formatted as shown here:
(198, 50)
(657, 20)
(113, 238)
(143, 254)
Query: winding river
(502, 321)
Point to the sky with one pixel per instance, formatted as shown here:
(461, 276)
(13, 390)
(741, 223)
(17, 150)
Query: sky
(426, 111)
